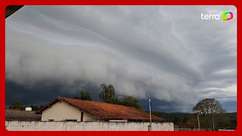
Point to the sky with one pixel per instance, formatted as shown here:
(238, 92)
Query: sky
(166, 52)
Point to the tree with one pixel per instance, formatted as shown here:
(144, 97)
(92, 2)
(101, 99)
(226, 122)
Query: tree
(84, 95)
(17, 105)
(208, 106)
(107, 93)
(130, 101)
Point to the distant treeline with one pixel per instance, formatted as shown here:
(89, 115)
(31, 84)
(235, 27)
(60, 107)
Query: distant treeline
(189, 120)
(107, 94)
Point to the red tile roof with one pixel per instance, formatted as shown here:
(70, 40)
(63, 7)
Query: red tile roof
(107, 111)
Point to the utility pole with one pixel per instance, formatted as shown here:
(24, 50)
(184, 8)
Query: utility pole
(213, 121)
(212, 112)
(197, 112)
(198, 121)
(149, 127)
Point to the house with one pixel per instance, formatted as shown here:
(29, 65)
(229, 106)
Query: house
(70, 109)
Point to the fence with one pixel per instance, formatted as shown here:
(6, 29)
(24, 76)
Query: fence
(86, 126)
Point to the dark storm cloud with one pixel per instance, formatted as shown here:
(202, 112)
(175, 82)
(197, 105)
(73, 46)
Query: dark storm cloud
(166, 52)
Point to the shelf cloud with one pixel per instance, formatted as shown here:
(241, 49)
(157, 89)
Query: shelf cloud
(167, 52)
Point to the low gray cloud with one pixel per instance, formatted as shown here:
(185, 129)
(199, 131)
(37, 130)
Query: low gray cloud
(166, 52)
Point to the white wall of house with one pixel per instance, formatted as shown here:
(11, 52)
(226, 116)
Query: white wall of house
(62, 111)
(86, 126)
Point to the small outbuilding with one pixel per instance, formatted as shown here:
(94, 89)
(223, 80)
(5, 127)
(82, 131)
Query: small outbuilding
(70, 109)
(20, 115)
